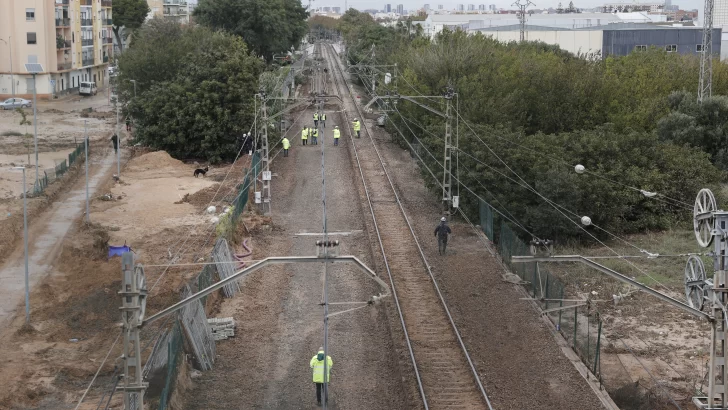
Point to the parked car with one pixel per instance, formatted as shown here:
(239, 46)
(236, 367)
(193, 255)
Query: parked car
(87, 88)
(13, 103)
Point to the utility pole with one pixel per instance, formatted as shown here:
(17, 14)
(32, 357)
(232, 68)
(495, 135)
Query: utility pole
(265, 156)
(447, 160)
(133, 305)
(85, 141)
(118, 141)
(705, 86)
(12, 78)
(35, 131)
(522, 4)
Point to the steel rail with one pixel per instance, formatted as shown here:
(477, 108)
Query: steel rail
(337, 63)
(379, 239)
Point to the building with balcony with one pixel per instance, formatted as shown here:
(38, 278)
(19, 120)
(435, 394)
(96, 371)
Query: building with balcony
(178, 10)
(70, 39)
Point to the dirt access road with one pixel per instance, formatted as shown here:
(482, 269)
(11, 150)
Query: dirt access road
(278, 314)
(45, 238)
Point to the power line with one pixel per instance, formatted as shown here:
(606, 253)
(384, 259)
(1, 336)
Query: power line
(643, 192)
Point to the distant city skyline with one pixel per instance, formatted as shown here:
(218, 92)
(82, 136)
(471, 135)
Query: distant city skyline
(412, 5)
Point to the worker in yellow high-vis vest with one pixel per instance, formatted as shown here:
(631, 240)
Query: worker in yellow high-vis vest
(322, 118)
(315, 119)
(304, 136)
(286, 146)
(337, 135)
(317, 364)
(357, 126)
(314, 134)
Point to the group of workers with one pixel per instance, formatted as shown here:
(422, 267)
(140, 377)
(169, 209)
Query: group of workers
(313, 132)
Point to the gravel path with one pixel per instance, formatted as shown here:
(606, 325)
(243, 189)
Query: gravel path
(518, 360)
(278, 313)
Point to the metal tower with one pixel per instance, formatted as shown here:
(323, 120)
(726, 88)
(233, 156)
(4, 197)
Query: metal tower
(705, 87)
(134, 301)
(264, 156)
(521, 4)
(447, 159)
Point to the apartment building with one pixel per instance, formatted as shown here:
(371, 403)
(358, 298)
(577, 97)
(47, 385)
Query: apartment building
(178, 10)
(70, 39)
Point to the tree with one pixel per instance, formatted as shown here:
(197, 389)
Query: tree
(128, 15)
(27, 137)
(702, 125)
(267, 26)
(200, 108)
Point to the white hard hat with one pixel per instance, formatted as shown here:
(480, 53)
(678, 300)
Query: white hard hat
(443, 219)
(356, 119)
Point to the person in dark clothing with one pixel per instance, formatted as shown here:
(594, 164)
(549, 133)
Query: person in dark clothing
(442, 231)
(115, 141)
(128, 124)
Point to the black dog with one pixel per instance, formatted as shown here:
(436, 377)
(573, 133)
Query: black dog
(199, 171)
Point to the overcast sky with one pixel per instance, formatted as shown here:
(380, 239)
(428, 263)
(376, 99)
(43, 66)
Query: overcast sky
(450, 4)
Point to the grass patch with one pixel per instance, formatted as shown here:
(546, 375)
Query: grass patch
(11, 134)
(653, 272)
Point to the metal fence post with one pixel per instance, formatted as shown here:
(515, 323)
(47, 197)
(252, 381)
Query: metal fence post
(561, 304)
(599, 337)
(575, 324)
(588, 352)
(546, 296)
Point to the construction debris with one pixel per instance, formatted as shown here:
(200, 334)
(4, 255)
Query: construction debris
(222, 328)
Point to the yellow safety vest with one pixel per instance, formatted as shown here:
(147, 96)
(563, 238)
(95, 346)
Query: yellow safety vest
(323, 117)
(315, 132)
(315, 116)
(318, 368)
(304, 134)
(337, 133)
(286, 143)
(357, 126)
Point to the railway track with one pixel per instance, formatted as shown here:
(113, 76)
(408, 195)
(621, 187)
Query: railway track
(446, 376)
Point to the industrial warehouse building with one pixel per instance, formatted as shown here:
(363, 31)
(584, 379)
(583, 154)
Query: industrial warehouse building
(602, 34)
(612, 39)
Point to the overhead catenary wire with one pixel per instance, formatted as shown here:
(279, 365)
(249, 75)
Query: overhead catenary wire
(656, 382)
(672, 201)
(478, 233)
(212, 228)
(97, 372)
(577, 224)
(429, 270)
(524, 184)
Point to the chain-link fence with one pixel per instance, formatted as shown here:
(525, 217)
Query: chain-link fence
(578, 322)
(57, 171)
(174, 353)
(191, 324)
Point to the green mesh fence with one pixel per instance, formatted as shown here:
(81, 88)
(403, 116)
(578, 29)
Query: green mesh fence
(580, 325)
(486, 220)
(61, 168)
(205, 279)
(174, 352)
(78, 152)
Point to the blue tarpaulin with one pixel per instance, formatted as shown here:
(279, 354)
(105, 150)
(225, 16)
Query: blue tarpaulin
(118, 250)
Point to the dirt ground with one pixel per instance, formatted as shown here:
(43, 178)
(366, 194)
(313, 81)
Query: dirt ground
(75, 314)
(60, 127)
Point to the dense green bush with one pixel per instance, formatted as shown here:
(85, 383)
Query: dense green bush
(197, 97)
(542, 110)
